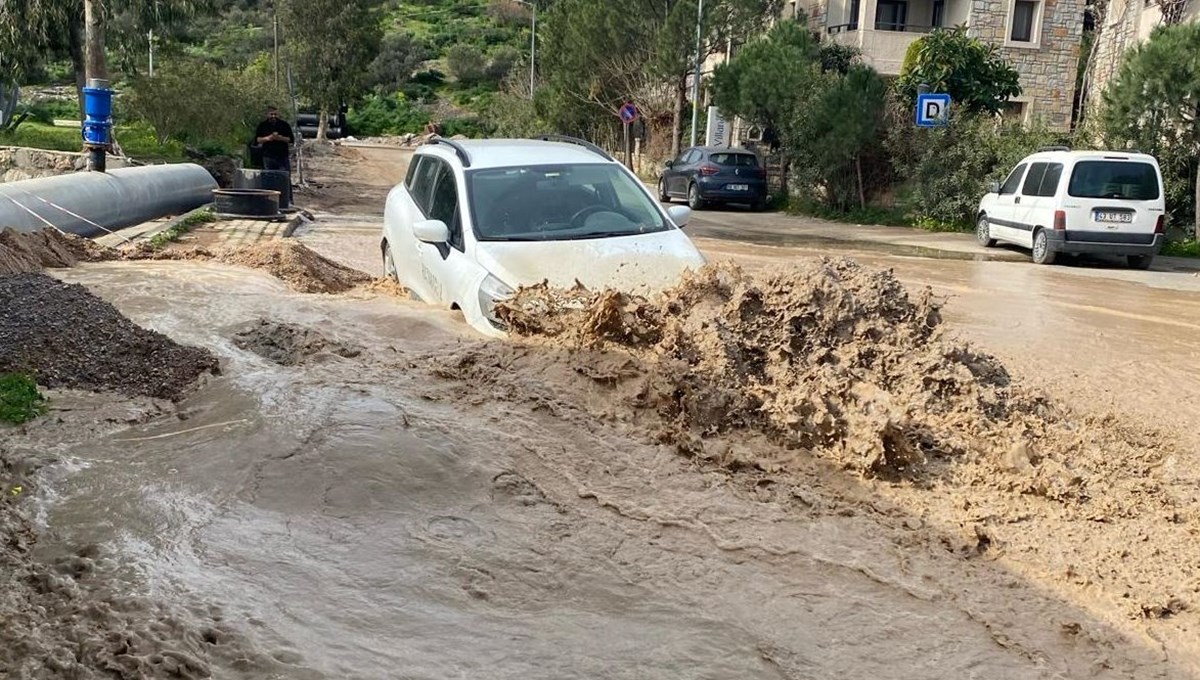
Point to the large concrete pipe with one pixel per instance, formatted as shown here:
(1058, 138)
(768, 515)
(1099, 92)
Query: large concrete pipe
(91, 203)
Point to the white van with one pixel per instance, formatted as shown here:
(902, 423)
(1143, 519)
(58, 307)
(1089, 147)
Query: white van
(1063, 201)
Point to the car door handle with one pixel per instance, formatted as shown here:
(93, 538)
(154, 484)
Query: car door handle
(1017, 199)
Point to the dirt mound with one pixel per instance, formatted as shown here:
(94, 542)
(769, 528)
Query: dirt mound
(289, 344)
(66, 337)
(47, 248)
(298, 266)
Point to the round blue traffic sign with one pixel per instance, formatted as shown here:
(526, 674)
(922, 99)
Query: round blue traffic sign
(628, 113)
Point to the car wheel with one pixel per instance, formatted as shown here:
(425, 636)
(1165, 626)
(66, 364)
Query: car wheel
(983, 233)
(694, 200)
(1041, 248)
(1142, 262)
(662, 191)
(389, 264)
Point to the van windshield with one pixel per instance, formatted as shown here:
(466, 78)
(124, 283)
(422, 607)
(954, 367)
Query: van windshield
(1114, 179)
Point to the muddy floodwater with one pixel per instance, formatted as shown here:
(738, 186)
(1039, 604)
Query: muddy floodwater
(358, 514)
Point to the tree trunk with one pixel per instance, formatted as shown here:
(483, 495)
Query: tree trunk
(862, 192)
(323, 125)
(1196, 207)
(677, 126)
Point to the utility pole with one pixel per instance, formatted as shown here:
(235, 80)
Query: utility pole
(275, 21)
(699, 65)
(97, 96)
(151, 52)
(532, 49)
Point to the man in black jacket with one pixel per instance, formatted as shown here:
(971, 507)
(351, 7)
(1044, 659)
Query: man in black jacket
(275, 136)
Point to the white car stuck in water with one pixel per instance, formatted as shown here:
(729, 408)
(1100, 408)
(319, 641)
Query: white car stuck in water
(475, 220)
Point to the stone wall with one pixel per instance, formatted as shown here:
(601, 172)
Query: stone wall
(19, 163)
(1048, 69)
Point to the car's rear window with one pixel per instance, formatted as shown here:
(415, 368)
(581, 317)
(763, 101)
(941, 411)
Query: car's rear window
(1129, 180)
(739, 160)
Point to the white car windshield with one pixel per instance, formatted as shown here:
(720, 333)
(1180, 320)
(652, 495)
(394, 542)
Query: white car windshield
(560, 202)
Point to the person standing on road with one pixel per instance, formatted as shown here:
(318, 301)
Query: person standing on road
(275, 136)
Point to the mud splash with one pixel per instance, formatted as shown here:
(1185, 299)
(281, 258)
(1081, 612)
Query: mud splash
(31, 252)
(290, 344)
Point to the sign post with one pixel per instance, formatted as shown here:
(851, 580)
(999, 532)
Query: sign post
(933, 110)
(628, 114)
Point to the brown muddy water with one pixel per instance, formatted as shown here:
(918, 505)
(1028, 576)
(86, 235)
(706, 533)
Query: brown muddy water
(367, 516)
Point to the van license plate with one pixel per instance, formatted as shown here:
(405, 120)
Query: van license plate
(1114, 217)
(738, 187)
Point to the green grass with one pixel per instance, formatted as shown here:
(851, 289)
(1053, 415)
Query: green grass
(1190, 248)
(20, 400)
(189, 222)
(137, 140)
(871, 215)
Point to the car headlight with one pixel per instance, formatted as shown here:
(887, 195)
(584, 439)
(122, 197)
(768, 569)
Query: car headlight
(490, 291)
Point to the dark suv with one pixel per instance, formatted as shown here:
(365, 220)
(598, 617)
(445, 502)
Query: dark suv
(705, 175)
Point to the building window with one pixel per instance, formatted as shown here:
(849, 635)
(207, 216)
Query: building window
(891, 15)
(1024, 20)
(939, 13)
(1014, 111)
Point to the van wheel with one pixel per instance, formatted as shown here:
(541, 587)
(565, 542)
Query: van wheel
(662, 191)
(983, 233)
(1142, 262)
(1041, 248)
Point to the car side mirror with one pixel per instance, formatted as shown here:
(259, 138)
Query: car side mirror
(680, 215)
(669, 164)
(993, 187)
(431, 231)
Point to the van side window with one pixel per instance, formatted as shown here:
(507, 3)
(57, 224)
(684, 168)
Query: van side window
(1033, 181)
(1014, 180)
(1050, 182)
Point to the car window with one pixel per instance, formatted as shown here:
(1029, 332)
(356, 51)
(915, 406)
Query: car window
(1128, 180)
(1049, 186)
(444, 203)
(740, 160)
(422, 185)
(683, 156)
(560, 202)
(693, 156)
(412, 173)
(1033, 181)
(1014, 180)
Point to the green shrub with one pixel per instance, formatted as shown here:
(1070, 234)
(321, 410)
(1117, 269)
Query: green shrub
(378, 115)
(20, 400)
(466, 126)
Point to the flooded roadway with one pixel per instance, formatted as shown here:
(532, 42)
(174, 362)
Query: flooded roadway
(368, 518)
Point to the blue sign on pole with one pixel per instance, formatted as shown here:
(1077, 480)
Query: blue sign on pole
(933, 110)
(628, 113)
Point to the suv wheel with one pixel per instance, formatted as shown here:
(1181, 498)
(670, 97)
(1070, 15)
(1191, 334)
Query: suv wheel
(694, 200)
(983, 232)
(662, 191)
(389, 264)
(1142, 262)
(1041, 248)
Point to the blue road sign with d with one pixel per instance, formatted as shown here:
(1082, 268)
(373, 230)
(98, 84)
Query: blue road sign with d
(933, 110)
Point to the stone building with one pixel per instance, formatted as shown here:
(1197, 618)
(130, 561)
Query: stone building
(1040, 38)
(1125, 24)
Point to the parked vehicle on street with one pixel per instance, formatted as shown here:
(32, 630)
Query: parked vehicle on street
(1062, 201)
(707, 176)
(475, 220)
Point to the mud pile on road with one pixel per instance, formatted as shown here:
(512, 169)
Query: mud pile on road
(302, 269)
(289, 344)
(47, 248)
(66, 337)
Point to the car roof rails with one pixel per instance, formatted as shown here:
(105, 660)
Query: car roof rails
(581, 142)
(458, 149)
(1054, 148)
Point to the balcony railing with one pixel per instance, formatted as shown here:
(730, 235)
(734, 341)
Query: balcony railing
(882, 26)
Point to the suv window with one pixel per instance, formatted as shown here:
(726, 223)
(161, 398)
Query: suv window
(1114, 179)
(1033, 181)
(1049, 186)
(444, 203)
(1014, 180)
(730, 160)
(412, 173)
(422, 185)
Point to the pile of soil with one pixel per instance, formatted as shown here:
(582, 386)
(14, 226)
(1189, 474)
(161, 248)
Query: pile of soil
(66, 337)
(47, 248)
(289, 344)
(302, 269)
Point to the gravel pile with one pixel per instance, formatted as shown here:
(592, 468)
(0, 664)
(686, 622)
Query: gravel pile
(66, 337)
